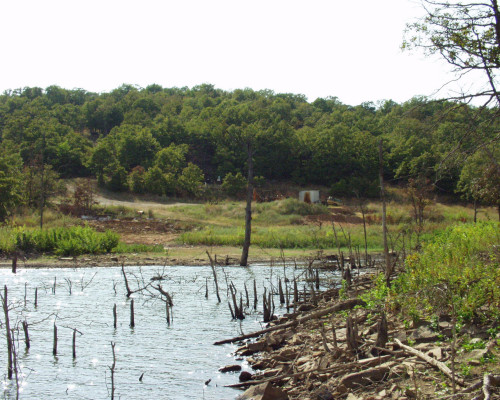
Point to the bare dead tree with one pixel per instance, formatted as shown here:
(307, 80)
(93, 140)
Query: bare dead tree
(248, 209)
(5, 306)
(215, 276)
(112, 369)
(388, 264)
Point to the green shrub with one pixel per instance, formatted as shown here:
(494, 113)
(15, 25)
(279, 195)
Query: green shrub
(191, 179)
(457, 272)
(234, 185)
(74, 241)
(7, 240)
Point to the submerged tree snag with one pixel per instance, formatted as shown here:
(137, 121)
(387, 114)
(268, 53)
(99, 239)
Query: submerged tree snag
(5, 306)
(215, 276)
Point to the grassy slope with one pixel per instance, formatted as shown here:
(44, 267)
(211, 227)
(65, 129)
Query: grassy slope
(299, 229)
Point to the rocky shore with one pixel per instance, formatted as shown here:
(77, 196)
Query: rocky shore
(337, 347)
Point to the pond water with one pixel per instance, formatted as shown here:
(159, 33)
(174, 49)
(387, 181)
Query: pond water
(176, 359)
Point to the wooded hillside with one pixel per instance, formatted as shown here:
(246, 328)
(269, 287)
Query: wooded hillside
(169, 140)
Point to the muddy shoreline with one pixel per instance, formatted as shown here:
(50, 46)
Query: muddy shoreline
(107, 260)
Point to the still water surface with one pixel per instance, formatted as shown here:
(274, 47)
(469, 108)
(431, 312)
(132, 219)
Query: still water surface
(176, 360)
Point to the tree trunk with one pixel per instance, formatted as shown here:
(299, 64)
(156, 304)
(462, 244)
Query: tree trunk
(248, 210)
(42, 195)
(5, 306)
(388, 266)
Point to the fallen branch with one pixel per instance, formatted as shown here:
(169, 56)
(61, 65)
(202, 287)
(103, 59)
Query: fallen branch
(365, 362)
(488, 381)
(384, 350)
(487, 386)
(435, 363)
(345, 305)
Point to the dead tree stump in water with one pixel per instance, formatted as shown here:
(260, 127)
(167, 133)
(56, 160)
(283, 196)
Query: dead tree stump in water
(54, 286)
(206, 288)
(54, 343)
(295, 292)
(10, 344)
(127, 287)
(287, 297)
(280, 290)
(246, 294)
(268, 306)
(238, 310)
(74, 343)
(265, 307)
(36, 297)
(254, 295)
(132, 320)
(14, 263)
(112, 369)
(167, 310)
(26, 334)
(215, 276)
(114, 316)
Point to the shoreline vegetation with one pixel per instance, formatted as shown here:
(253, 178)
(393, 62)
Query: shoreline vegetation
(181, 233)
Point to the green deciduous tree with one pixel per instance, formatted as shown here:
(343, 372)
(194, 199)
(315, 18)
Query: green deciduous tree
(10, 181)
(102, 155)
(480, 178)
(41, 183)
(172, 159)
(134, 145)
(155, 181)
(137, 180)
(191, 179)
(467, 35)
(234, 185)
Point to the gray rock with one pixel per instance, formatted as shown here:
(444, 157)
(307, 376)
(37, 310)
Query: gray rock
(473, 357)
(424, 334)
(230, 368)
(401, 336)
(364, 378)
(436, 352)
(245, 376)
(264, 391)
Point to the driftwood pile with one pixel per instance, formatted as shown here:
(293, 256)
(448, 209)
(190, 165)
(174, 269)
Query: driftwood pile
(339, 350)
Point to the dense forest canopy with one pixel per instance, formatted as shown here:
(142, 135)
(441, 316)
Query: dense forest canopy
(168, 140)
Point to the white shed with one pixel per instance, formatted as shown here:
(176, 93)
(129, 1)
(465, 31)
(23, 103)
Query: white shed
(313, 195)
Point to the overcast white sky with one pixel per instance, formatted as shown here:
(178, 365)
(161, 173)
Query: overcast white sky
(319, 48)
